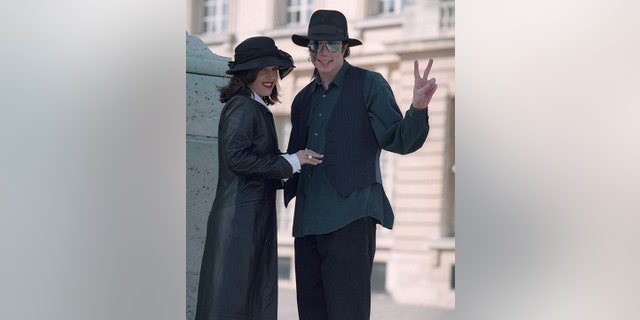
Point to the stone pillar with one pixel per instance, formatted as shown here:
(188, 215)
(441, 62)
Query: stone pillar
(205, 74)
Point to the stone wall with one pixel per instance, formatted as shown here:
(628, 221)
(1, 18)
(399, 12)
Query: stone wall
(205, 73)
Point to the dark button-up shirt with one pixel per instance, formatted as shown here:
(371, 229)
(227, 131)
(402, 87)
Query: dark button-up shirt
(319, 207)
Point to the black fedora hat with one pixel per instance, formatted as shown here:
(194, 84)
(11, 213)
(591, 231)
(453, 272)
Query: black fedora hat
(329, 25)
(259, 52)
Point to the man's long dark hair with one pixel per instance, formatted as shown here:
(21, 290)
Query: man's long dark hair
(239, 84)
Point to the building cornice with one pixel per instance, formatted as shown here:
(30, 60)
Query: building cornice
(412, 45)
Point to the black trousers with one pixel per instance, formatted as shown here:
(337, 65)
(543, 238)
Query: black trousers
(333, 272)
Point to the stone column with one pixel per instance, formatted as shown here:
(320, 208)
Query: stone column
(205, 74)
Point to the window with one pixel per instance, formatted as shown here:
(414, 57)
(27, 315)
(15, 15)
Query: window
(447, 16)
(298, 12)
(216, 16)
(388, 7)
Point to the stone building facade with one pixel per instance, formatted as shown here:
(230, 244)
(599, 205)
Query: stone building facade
(415, 260)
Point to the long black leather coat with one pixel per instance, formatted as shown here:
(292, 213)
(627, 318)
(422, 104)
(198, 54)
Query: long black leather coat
(238, 276)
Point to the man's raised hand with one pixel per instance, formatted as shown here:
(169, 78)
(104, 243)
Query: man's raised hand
(423, 87)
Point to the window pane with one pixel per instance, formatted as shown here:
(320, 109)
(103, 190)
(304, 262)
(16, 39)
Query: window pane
(382, 7)
(215, 15)
(298, 11)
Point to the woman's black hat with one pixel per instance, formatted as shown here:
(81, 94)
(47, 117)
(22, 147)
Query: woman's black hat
(259, 52)
(329, 25)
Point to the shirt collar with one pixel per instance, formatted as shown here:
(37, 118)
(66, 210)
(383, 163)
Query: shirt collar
(256, 97)
(338, 81)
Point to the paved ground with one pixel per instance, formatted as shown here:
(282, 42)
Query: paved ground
(382, 308)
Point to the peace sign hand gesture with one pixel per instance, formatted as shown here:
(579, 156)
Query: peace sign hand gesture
(423, 88)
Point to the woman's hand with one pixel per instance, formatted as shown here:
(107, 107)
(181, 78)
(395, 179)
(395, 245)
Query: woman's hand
(311, 157)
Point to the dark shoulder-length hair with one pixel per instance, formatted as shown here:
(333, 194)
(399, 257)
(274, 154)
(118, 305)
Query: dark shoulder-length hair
(239, 84)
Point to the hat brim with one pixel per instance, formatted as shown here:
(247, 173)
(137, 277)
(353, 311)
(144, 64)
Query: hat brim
(285, 66)
(303, 41)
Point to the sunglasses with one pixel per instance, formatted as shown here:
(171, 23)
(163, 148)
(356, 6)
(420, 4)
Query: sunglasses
(332, 46)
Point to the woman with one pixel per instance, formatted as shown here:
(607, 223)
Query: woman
(238, 276)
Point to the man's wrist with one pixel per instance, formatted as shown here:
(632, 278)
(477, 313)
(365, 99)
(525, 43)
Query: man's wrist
(417, 113)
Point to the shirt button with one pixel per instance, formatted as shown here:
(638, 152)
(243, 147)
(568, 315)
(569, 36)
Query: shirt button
(315, 134)
(319, 114)
(324, 95)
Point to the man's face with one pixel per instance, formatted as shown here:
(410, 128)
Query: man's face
(327, 56)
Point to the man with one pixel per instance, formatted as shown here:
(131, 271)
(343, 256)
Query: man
(347, 115)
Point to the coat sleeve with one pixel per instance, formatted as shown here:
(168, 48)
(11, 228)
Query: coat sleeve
(242, 136)
(297, 140)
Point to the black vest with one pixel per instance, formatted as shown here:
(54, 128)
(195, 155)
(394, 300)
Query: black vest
(352, 155)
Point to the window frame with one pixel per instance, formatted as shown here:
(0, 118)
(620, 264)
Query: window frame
(302, 8)
(387, 7)
(217, 23)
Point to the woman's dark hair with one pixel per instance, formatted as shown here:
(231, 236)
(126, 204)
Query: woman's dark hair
(239, 84)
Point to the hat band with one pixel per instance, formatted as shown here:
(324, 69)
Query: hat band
(327, 29)
(264, 52)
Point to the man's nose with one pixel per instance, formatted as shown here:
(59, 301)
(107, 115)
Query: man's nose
(323, 46)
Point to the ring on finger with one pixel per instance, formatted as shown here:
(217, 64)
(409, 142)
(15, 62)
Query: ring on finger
(309, 156)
